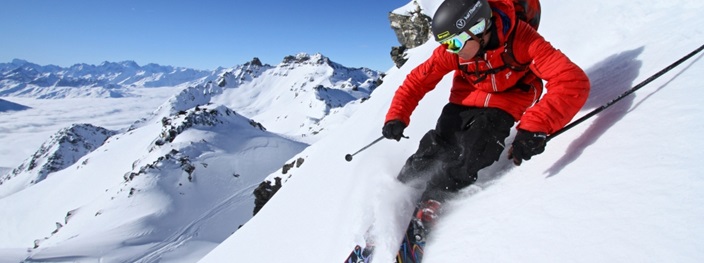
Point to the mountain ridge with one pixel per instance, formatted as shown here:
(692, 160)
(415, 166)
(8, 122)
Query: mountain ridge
(21, 78)
(61, 150)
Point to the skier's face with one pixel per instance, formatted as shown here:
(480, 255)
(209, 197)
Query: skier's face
(471, 47)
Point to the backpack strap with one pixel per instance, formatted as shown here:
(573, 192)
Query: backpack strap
(507, 56)
(481, 75)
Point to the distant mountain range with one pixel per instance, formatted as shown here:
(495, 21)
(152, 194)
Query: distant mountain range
(109, 79)
(21, 78)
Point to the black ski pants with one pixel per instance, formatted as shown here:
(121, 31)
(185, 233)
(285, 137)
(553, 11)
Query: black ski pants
(465, 140)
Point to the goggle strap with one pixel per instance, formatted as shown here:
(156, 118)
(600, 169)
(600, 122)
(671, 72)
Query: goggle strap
(475, 37)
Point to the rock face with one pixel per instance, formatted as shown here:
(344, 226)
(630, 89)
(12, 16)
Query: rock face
(412, 29)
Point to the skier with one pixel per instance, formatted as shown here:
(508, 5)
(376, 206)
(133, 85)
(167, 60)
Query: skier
(499, 63)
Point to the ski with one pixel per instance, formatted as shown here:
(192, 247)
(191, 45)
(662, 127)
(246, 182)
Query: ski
(360, 254)
(411, 249)
(363, 254)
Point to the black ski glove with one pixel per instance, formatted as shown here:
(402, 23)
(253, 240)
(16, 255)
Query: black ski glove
(393, 130)
(526, 145)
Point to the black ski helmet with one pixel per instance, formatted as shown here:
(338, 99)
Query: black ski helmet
(455, 16)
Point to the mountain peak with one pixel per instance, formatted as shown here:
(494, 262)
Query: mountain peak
(255, 62)
(61, 150)
(130, 64)
(127, 64)
(302, 58)
(19, 62)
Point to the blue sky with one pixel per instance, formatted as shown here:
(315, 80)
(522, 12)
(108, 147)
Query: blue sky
(201, 34)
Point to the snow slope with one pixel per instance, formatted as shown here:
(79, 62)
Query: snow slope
(177, 181)
(621, 187)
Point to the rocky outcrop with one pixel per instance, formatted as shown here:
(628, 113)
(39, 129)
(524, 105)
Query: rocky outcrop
(412, 29)
(205, 116)
(265, 191)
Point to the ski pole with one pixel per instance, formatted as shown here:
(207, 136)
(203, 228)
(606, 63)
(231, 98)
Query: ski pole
(628, 92)
(348, 157)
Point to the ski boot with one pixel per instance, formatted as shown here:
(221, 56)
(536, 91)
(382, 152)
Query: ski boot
(424, 219)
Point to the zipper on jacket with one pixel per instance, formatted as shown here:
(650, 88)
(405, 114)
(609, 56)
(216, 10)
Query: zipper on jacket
(493, 76)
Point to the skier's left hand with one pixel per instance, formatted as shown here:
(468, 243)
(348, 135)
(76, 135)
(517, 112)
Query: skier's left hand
(526, 145)
(393, 130)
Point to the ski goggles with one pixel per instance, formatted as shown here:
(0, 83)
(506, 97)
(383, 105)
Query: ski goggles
(456, 43)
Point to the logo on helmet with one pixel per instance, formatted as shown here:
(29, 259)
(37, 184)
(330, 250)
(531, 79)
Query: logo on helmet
(442, 36)
(462, 22)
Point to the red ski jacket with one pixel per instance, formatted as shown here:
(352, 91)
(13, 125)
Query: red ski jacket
(567, 84)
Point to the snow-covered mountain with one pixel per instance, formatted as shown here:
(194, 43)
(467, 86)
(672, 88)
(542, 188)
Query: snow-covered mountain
(21, 78)
(184, 179)
(195, 154)
(62, 149)
(303, 97)
(299, 97)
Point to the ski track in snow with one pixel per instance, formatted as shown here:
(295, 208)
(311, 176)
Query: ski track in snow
(183, 235)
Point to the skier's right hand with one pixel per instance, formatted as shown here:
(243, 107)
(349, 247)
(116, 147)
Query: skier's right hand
(526, 145)
(393, 130)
